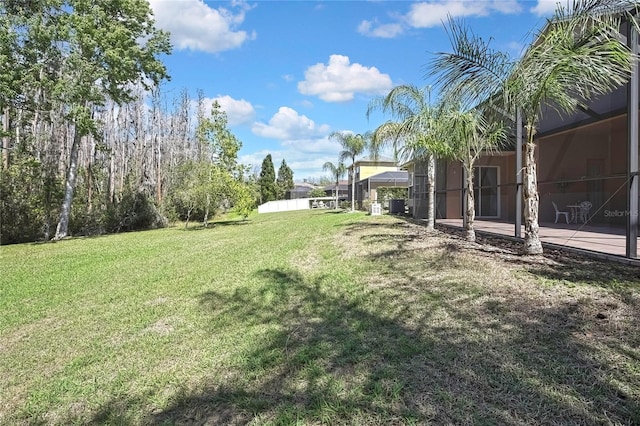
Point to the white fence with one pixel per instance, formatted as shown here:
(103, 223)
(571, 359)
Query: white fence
(296, 204)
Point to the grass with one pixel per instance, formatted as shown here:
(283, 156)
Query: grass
(313, 318)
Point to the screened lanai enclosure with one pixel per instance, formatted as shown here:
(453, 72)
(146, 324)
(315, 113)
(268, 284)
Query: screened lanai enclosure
(367, 189)
(587, 176)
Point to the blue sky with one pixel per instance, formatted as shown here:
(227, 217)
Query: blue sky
(288, 73)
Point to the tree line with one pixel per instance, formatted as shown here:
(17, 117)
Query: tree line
(90, 144)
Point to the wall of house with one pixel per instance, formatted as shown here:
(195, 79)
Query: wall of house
(367, 170)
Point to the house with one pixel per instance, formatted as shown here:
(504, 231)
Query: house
(587, 164)
(369, 188)
(417, 188)
(343, 190)
(300, 190)
(494, 187)
(372, 174)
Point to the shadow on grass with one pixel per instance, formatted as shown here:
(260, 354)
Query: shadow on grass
(337, 211)
(198, 226)
(555, 264)
(570, 268)
(558, 265)
(338, 357)
(416, 350)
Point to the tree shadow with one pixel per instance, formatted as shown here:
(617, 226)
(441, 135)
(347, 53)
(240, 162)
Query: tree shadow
(334, 358)
(555, 264)
(563, 266)
(336, 211)
(198, 226)
(234, 222)
(411, 348)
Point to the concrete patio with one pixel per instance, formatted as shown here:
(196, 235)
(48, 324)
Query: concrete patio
(596, 239)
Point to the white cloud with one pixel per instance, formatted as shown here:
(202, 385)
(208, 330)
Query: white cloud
(195, 25)
(548, 7)
(374, 29)
(429, 14)
(306, 103)
(339, 80)
(314, 146)
(287, 124)
(304, 164)
(238, 111)
(304, 145)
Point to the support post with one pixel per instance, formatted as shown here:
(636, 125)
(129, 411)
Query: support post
(518, 225)
(633, 95)
(464, 198)
(435, 191)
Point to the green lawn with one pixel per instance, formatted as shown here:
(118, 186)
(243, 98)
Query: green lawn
(313, 317)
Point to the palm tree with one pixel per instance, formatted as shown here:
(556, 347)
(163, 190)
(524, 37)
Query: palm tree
(577, 56)
(410, 135)
(464, 136)
(353, 145)
(336, 172)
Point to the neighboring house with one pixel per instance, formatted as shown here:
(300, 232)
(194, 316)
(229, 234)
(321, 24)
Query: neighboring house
(369, 176)
(343, 190)
(300, 190)
(367, 189)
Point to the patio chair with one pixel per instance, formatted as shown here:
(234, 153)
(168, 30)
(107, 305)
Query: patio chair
(560, 213)
(585, 206)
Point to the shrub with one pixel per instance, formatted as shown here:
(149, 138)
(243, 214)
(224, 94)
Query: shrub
(136, 211)
(317, 192)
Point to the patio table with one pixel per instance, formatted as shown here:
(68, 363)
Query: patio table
(575, 208)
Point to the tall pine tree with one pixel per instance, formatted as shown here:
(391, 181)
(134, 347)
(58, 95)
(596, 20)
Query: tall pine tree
(267, 181)
(284, 182)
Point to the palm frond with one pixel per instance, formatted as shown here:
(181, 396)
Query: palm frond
(473, 72)
(579, 55)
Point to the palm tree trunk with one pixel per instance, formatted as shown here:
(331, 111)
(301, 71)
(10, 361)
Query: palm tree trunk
(430, 187)
(353, 185)
(470, 233)
(532, 243)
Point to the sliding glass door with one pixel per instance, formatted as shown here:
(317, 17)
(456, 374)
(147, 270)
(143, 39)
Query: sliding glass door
(485, 191)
